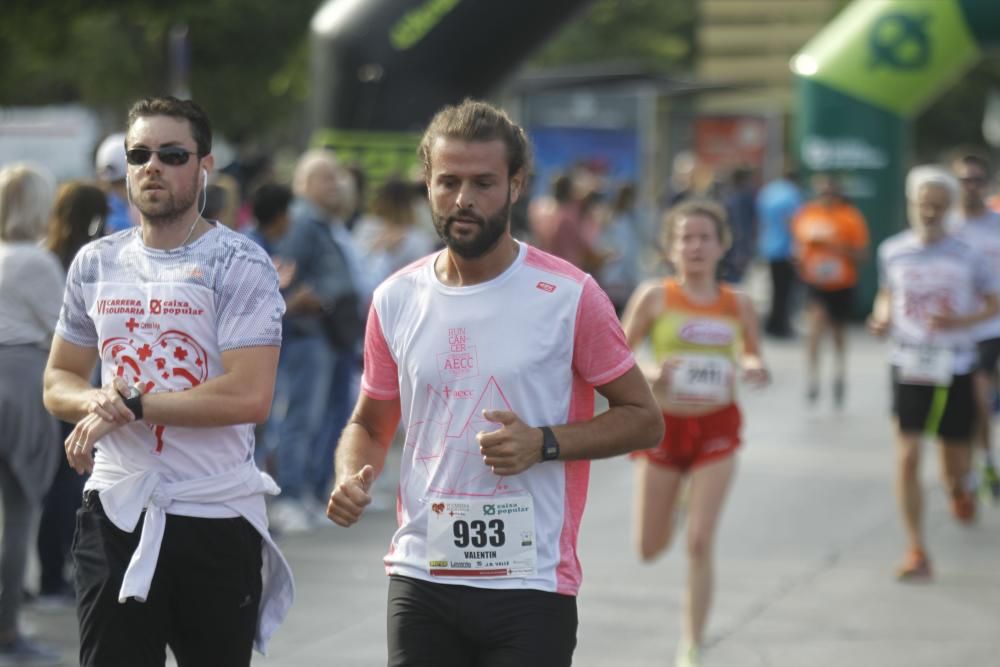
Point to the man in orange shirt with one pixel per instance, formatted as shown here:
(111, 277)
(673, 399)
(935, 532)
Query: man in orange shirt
(831, 240)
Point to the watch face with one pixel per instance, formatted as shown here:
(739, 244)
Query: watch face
(550, 446)
(132, 392)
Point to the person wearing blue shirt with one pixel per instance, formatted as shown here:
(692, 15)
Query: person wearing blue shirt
(321, 330)
(110, 167)
(777, 203)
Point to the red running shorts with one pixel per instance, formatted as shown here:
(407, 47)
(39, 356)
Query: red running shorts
(692, 441)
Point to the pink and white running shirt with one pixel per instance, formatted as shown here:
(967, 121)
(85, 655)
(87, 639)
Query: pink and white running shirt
(535, 340)
(163, 318)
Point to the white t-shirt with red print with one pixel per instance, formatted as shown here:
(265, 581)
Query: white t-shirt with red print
(162, 319)
(535, 341)
(926, 279)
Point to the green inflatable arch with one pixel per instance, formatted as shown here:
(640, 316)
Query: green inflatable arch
(862, 79)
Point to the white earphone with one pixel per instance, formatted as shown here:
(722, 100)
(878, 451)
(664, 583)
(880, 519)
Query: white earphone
(204, 179)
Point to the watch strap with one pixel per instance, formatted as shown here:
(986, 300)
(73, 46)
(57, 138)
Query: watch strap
(133, 403)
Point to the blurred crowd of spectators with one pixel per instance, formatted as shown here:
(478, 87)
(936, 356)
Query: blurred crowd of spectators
(333, 236)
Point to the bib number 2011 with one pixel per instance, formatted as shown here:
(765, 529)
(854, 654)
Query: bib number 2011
(702, 379)
(479, 533)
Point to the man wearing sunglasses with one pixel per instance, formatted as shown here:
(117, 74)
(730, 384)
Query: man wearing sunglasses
(172, 545)
(980, 227)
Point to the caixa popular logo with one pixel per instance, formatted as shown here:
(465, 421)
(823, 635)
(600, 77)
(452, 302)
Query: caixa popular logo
(455, 365)
(706, 332)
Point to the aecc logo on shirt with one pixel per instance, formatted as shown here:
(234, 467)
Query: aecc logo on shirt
(460, 360)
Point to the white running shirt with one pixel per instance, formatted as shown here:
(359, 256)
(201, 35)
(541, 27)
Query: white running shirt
(925, 280)
(983, 234)
(163, 318)
(535, 340)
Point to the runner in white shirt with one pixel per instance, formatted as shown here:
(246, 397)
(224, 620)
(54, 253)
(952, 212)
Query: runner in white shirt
(490, 352)
(933, 289)
(980, 227)
(185, 318)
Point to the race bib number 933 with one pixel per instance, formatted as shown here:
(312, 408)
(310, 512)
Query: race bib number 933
(481, 538)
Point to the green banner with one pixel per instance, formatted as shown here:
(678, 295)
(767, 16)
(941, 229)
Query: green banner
(895, 54)
(380, 154)
(860, 80)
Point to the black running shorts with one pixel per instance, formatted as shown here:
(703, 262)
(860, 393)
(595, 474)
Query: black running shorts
(447, 625)
(911, 404)
(987, 355)
(838, 303)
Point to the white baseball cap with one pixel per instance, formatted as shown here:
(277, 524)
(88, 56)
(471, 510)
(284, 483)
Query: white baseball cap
(109, 163)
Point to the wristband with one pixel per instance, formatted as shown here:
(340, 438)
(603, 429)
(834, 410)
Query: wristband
(550, 446)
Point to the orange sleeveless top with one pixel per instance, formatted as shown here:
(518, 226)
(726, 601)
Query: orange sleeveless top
(697, 328)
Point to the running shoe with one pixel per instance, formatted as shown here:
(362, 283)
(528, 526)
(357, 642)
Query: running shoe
(916, 566)
(963, 507)
(288, 516)
(989, 483)
(688, 656)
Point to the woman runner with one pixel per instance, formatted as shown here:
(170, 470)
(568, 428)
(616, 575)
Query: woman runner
(702, 333)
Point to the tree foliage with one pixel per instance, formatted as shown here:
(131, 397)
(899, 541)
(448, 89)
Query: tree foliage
(247, 58)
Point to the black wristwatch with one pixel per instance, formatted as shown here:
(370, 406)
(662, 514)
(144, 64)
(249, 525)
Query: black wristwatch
(133, 401)
(550, 446)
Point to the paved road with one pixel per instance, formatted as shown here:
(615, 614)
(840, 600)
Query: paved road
(805, 558)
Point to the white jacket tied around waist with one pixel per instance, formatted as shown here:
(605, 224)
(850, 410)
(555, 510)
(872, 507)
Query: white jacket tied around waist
(242, 490)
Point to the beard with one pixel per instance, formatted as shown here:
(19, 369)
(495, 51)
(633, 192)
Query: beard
(490, 231)
(168, 205)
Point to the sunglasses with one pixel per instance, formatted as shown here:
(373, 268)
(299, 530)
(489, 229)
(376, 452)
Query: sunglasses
(175, 156)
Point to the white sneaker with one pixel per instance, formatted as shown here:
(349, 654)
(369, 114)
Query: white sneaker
(688, 655)
(316, 509)
(289, 516)
(313, 504)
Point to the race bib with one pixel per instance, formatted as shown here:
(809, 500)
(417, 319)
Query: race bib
(481, 538)
(925, 365)
(702, 378)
